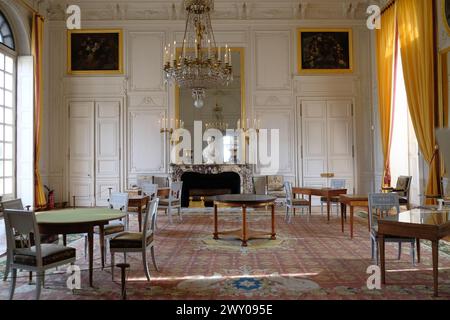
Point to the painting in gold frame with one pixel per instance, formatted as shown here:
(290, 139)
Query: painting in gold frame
(325, 51)
(446, 14)
(96, 51)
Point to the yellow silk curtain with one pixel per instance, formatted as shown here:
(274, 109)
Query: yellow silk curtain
(415, 25)
(37, 40)
(385, 54)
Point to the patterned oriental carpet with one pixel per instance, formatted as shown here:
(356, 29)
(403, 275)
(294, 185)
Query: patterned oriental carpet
(309, 260)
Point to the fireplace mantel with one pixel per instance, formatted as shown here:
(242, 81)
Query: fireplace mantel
(243, 170)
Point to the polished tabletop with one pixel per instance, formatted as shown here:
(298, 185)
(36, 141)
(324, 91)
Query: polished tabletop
(426, 216)
(245, 198)
(78, 215)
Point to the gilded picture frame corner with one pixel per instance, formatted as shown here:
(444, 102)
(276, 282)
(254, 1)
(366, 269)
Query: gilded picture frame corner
(445, 10)
(118, 71)
(302, 71)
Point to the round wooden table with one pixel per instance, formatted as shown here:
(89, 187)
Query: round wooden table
(244, 201)
(79, 220)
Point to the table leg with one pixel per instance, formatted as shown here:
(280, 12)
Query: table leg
(140, 217)
(368, 219)
(328, 208)
(244, 226)
(273, 237)
(382, 259)
(64, 236)
(102, 244)
(435, 252)
(91, 255)
(351, 220)
(310, 204)
(216, 231)
(342, 216)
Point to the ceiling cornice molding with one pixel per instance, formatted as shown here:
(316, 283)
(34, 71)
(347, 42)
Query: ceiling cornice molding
(101, 10)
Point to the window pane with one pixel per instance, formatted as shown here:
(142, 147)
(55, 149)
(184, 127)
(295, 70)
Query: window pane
(8, 134)
(1, 132)
(2, 97)
(2, 118)
(1, 151)
(8, 99)
(2, 79)
(9, 65)
(2, 61)
(1, 169)
(8, 151)
(8, 168)
(8, 186)
(1, 186)
(8, 116)
(8, 82)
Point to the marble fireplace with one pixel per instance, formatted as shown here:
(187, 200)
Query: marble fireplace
(225, 178)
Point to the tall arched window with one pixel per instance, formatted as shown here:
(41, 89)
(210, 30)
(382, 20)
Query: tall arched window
(7, 109)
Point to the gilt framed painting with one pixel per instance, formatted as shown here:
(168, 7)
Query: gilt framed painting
(446, 14)
(325, 51)
(94, 52)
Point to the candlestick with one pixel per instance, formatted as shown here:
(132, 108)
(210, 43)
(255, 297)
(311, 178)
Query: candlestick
(209, 48)
(229, 57)
(218, 53)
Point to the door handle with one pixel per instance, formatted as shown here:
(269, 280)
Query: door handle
(327, 175)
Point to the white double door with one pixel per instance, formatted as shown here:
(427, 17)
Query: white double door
(327, 142)
(94, 151)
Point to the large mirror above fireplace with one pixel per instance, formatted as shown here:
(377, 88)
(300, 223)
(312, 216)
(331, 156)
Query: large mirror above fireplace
(224, 107)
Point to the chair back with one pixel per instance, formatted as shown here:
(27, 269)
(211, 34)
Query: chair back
(22, 224)
(141, 179)
(13, 204)
(161, 182)
(259, 185)
(445, 188)
(289, 195)
(150, 189)
(275, 183)
(380, 204)
(337, 183)
(150, 219)
(175, 191)
(119, 201)
(403, 186)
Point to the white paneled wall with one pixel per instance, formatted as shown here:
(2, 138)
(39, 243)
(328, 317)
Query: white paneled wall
(272, 89)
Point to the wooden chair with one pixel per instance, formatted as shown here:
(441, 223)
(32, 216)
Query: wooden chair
(334, 184)
(292, 203)
(150, 189)
(16, 204)
(380, 205)
(37, 258)
(275, 186)
(137, 241)
(173, 201)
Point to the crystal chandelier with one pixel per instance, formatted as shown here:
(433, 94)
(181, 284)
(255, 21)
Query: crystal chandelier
(201, 64)
(218, 122)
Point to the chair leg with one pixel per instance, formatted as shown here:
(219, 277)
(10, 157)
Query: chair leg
(294, 211)
(153, 258)
(112, 266)
(144, 260)
(287, 214)
(85, 246)
(413, 253)
(377, 258)
(38, 284)
(399, 251)
(179, 213)
(8, 262)
(372, 248)
(13, 283)
(43, 279)
(169, 213)
(418, 250)
(30, 277)
(124, 257)
(321, 207)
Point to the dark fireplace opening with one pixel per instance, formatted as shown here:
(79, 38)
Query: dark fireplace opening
(203, 185)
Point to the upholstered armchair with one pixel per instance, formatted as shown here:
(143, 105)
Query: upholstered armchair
(402, 188)
(275, 186)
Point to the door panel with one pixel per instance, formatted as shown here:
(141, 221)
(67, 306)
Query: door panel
(327, 142)
(81, 174)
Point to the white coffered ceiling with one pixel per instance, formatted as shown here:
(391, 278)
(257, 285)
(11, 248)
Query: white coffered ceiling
(224, 9)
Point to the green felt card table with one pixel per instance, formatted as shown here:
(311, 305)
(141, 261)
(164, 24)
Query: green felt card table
(79, 220)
